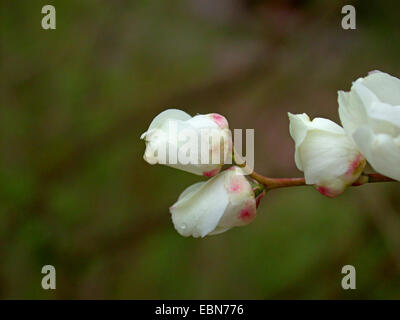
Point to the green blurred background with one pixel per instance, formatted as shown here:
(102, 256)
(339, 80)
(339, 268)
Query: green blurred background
(76, 193)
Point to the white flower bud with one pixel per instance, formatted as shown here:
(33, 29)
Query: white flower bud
(370, 114)
(328, 158)
(216, 205)
(199, 144)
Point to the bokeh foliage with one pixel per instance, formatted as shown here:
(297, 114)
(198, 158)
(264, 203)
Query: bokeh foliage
(76, 193)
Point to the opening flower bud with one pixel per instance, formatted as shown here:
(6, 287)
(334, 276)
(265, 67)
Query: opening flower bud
(328, 158)
(216, 205)
(199, 144)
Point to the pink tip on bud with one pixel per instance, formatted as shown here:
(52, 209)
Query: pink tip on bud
(211, 173)
(327, 192)
(247, 213)
(220, 120)
(354, 165)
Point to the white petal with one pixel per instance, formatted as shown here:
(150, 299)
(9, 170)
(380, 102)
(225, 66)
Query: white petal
(326, 125)
(176, 131)
(298, 131)
(300, 126)
(384, 86)
(242, 203)
(375, 109)
(381, 150)
(326, 156)
(189, 192)
(159, 120)
(199, 214)
(366, 96)
(352, 112)
(175, 114)
(202, 121)
(212, 207)
(370, 114)
(385, 118)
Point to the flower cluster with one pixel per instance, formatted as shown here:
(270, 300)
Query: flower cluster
(228, 198)
(332, 157)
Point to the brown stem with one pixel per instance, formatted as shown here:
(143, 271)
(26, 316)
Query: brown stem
(273, 183)
(376, 177)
